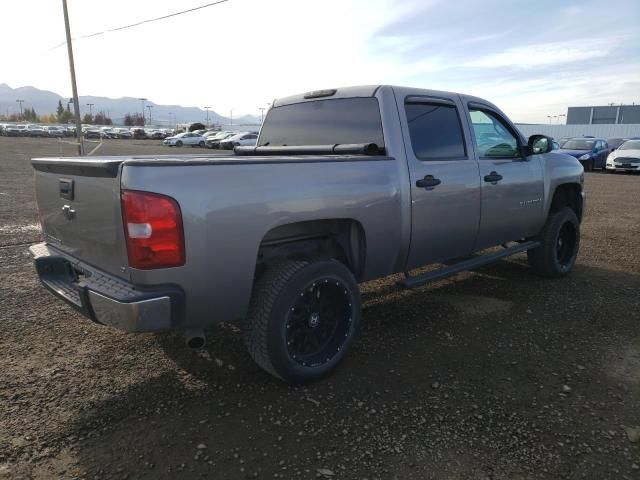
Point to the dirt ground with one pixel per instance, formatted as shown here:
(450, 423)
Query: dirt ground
(495, 374)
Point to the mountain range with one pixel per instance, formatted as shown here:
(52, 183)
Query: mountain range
(46, 102)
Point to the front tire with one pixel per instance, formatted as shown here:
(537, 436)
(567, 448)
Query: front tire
(559, 245)
(201, 144)
(588, 166)
(302, 319)
(179, 143)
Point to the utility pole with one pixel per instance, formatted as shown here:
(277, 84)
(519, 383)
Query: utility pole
(74, 88)
(149, 107)
(232, 117)
(90, 105)
(142, 100)
(262, 109)
(20, 102)
(207, 109)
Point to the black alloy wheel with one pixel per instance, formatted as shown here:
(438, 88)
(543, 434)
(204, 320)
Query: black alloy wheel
(319, 322)
(303, 317)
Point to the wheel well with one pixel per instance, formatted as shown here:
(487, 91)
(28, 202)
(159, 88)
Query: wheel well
(567, 195)
(341, 239)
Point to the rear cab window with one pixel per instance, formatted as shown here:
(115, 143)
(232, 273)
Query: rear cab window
(324, 122)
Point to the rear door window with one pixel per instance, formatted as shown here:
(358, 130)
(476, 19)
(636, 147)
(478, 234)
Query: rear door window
(435, 131)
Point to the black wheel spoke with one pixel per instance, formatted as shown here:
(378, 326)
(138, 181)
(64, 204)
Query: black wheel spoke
(313, 341)
(565, 244)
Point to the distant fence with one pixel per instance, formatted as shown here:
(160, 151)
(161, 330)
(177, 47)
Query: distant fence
(602, 131)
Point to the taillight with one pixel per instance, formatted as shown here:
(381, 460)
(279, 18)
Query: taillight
(153, 229)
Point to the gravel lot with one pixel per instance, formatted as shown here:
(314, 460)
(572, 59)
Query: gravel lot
(495, 374)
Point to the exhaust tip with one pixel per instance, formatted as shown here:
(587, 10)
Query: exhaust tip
(195, 339)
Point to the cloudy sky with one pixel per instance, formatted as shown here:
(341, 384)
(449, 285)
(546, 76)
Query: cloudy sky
(532, 58)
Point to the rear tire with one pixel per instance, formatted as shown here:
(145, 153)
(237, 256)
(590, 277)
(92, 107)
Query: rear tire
(302, 319)
(559, 245)
(588, 166)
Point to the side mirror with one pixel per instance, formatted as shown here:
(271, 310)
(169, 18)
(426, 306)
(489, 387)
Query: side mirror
(539, 144)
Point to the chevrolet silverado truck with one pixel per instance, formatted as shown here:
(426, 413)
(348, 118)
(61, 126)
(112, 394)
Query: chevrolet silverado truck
(343, 186)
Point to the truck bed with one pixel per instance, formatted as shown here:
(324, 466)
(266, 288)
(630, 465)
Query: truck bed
(229, 204)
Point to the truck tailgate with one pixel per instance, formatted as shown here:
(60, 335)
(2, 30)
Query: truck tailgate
(80, 209)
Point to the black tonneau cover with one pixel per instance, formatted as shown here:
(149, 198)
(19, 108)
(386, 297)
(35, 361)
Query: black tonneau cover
(108, 166)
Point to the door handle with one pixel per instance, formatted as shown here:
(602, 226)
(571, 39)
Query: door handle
(493, 177)
(428, 182)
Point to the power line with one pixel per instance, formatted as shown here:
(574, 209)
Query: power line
(145, 21)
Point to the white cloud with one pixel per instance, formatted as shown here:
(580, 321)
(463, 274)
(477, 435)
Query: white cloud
(536, 55)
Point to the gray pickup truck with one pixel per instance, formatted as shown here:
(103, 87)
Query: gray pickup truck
(343, 186)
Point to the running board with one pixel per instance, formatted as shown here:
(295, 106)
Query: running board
(470, 264)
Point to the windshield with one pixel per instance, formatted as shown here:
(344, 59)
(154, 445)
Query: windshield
(615, 142)
(222, 135)
(324, 122)
(630, 145)
(579, 144)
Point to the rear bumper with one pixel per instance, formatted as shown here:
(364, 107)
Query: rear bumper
(106, 299)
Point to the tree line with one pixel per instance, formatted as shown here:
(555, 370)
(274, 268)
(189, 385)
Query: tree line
(65, 115)
(62, 115)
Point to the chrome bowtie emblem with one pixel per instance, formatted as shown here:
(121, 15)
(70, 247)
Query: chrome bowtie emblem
(314, 320)
(68, 212)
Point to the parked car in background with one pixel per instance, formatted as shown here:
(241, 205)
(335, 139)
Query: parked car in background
(186, 138)
(210, 133)
(35, 131)
(94, 133)
(53, 131)
(244, 139)
(591, 152)
(123, 133)
(214, 140)
(614, 143)
(15, 130)
(107, 132)
(156, 134)
(138, 133)
(563, 140)
(626, 158)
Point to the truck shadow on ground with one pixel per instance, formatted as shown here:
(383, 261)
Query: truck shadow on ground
(482, 375)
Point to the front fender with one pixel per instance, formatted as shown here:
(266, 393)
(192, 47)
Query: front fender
(559, 169)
